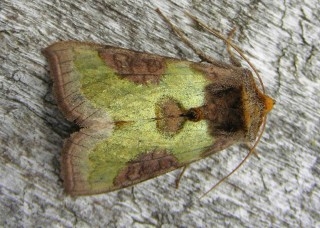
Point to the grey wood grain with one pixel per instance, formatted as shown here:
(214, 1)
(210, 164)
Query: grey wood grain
(278, 189)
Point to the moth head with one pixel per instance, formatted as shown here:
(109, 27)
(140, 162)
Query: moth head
(256, 105)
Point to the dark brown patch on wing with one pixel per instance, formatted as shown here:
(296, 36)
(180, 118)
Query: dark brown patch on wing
(224, 110)
(138, 67)
(146, 166)
(234, 107)
(169, 116)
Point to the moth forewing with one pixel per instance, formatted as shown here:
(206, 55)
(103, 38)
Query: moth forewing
(142, 115)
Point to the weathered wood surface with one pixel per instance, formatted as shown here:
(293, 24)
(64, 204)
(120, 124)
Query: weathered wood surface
(280, 188)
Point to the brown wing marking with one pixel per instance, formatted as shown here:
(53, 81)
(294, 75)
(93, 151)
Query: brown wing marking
(169, 116)
(146, 166)
(138, 67)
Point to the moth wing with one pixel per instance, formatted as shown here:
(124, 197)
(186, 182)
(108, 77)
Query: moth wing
(121, 99)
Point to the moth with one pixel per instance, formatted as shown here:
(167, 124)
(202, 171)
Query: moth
(142, 115)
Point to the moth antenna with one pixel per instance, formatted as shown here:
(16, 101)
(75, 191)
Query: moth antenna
(229, 43)
(184, 39)
(180, 175)
(243, 160)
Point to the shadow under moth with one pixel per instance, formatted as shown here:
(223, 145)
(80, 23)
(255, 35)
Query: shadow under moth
(142, 115)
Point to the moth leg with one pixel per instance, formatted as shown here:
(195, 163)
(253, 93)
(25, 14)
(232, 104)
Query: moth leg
(229, 44)
(184, 39)
(180, 175)
(254, 152)
(233, 59)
